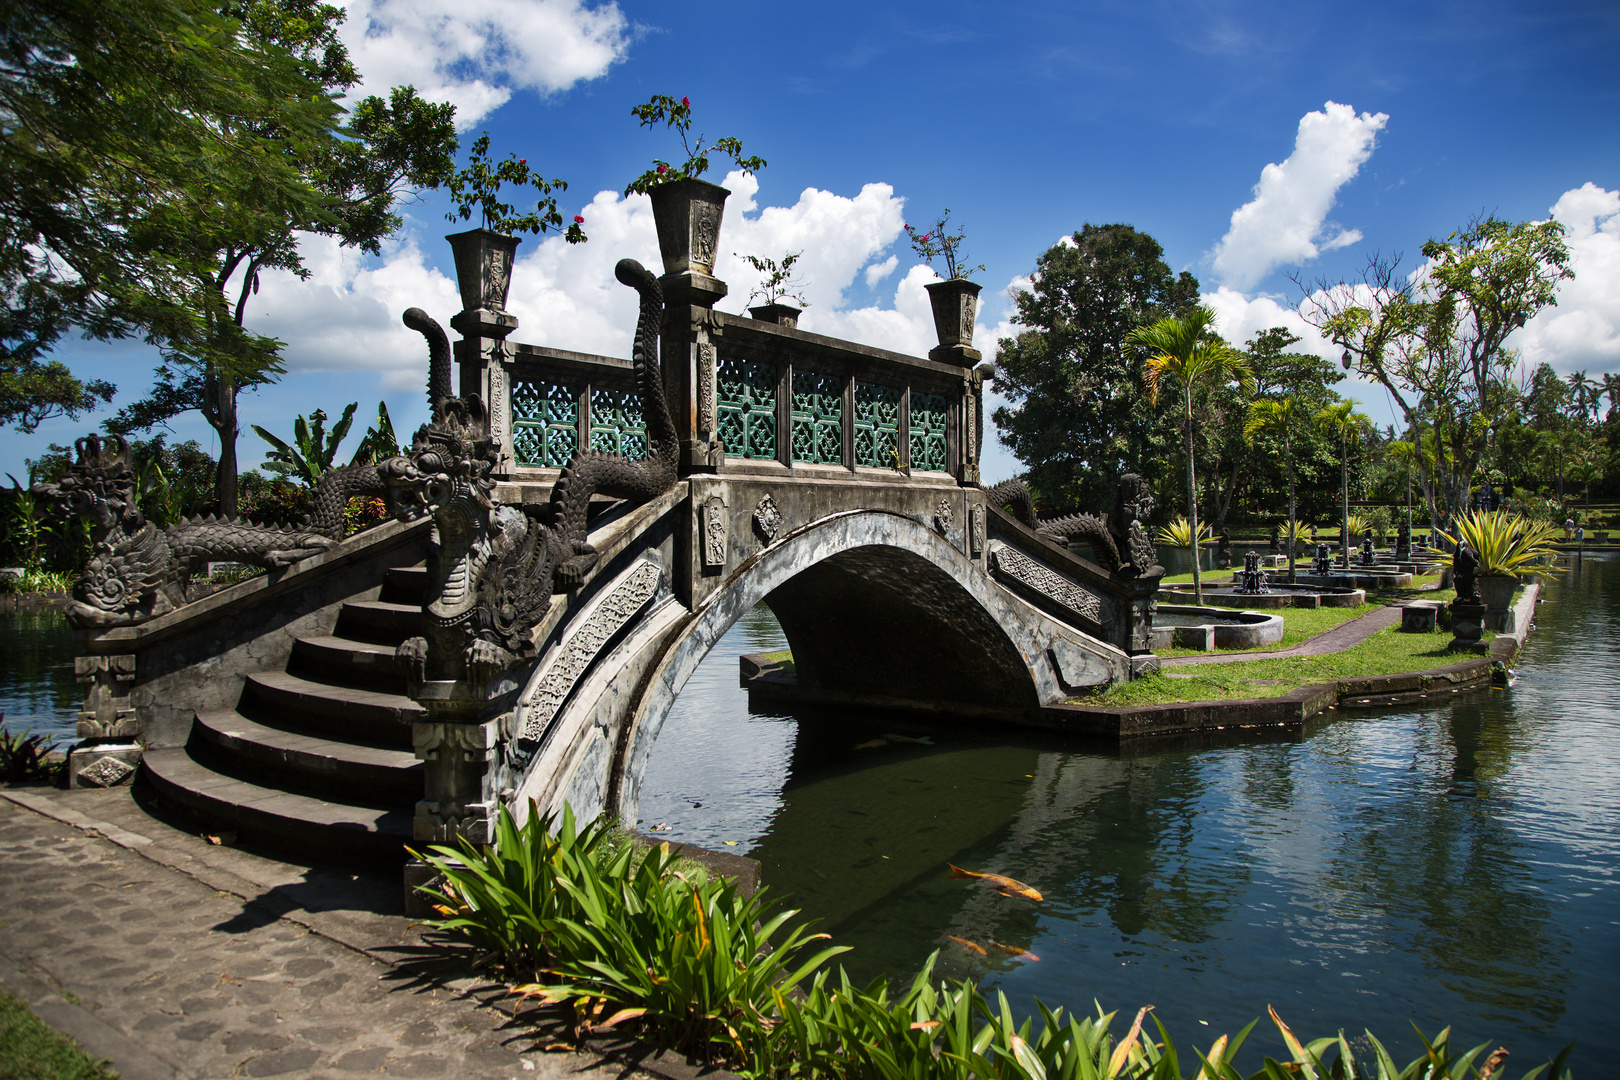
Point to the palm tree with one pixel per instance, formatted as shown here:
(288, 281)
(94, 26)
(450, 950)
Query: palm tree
(1279, 418)
(1342, 422)
(1187, 349)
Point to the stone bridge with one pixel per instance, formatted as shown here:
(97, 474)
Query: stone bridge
(836, 483)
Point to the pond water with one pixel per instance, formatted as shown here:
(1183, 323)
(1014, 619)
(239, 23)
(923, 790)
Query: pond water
(1449, 865)
(37, 689)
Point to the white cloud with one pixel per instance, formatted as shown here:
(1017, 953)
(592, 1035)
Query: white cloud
(1583, 332)
(1285, 221)
(878, 271)
(1241, 317)
(346, 315)
(475, 53)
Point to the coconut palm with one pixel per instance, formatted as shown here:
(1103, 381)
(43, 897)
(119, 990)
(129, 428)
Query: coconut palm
(1187, 350)
(1343, 423)
(1280, 418)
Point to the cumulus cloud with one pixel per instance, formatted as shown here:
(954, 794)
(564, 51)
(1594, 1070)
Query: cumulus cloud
(1583, 332)
(346, 315)
(475, 53)
(1286, 221)
(1240, 317)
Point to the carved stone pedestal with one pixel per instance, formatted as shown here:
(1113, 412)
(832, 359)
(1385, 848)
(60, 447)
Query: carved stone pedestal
(102, 764)
(1467, 621)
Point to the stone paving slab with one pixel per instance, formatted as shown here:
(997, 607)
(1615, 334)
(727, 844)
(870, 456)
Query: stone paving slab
(174, 961)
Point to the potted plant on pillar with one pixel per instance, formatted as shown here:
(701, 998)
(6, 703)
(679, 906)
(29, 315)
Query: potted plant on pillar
(484, 255)
(778, 285)
(687, 209)
(1506, 546)
(955, 300)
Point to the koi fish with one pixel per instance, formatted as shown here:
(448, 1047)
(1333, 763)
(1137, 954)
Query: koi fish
(1006, 886)
(872, 744)
(966, 944)
(920, 740)
(1015, 950)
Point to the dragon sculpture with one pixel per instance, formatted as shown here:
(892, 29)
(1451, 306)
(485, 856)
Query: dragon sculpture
(138, 570)
(493, 568)
(1119, 539)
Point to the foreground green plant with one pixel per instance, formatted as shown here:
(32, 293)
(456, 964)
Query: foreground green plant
(24, 758)
(1505, 544)
(570, 918)
(1179, 533)
(30, 1050)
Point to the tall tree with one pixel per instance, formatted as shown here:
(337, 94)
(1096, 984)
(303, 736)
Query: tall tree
(1347, 427)
(199, 316)
(107, 108)
(1435, 339)
(1187, 350)
(1282, 418)
(1077, 414)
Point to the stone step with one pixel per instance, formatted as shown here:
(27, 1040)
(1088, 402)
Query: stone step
(315, 829)
(339, 712)
(405, 584)
(364, 664)
(322, 766)
(378, 621)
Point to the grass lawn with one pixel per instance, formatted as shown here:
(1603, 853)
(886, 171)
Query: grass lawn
(1299, 624)
(29, 1050)
(1386, 652)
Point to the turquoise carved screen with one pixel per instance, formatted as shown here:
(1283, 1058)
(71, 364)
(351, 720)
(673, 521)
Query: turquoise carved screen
(745, 407)
(928, 413)
(818, 418)
(877, 426)
(617, 423)
(545, 422)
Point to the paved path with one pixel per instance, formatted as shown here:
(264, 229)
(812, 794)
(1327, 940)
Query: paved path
(177, 960)
(1338, 639)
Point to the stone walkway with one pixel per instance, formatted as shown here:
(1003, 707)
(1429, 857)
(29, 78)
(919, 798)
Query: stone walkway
(179, 960)
(1338, 639)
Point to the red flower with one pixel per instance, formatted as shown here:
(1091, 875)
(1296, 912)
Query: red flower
(523, 161)
(662, 169)
(687, 102)
(578, 220)
(925, 239)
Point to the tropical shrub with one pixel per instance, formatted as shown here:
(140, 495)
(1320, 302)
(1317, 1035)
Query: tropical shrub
(1179, 533)
(575, 918)
(1505, 543)
(23, 758)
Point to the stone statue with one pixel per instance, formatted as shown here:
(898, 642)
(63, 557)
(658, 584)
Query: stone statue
(1465, 573)
(1368, 558)
(495, 567)
(1403, 539)
(1119, 541)
(1276, 544)
(137, 571)
(1223, 548)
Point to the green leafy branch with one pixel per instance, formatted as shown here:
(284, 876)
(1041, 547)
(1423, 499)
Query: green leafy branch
(479, 185)
(663, 109)
(779, 283)
(936, 243)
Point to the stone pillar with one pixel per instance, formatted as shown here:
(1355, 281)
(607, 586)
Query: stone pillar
(484, 263)
(457, 802)
(690, 353)
(107, 712)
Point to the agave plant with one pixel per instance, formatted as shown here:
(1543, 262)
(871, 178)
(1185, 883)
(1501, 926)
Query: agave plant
(1356, 527)
(1506, 544)
(1179, 533)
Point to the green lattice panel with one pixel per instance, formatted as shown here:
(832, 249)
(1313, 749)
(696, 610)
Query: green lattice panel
(818, 418)
(617, 423)
(877, 426)
(545, 422)
(745, 401)
(928, 412)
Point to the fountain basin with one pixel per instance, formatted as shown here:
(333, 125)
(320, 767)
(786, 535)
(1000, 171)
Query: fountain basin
(1207, 628)
(1281, 595)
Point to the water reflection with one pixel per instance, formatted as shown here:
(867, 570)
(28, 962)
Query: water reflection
(37, 690)
(1452, 865)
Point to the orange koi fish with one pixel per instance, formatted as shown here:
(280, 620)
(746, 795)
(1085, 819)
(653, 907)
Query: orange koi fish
(1006, 886)
(1016, 951)
(966, 944)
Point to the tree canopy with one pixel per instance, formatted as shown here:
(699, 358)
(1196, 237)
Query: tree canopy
(1078, 413)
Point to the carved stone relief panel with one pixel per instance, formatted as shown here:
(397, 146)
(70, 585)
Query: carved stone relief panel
(976, 531)
(714, 532)
(767, 518)
(944, 515)
(549, 688)
(705, 234)
(106, 711)
(1010, 564)
(705, 395)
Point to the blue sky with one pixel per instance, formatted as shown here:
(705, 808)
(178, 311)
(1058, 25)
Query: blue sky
(1330, 131)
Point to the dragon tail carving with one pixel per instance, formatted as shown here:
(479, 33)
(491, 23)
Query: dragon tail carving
(1013, 496)
(439, 390)
(1087, 527)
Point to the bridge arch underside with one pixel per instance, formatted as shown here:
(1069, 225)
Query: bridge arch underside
(878, 609)
(881, 625)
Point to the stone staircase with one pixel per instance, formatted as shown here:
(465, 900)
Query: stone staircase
(315, 760)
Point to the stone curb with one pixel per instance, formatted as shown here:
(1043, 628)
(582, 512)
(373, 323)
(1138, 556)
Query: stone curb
(102, 1040)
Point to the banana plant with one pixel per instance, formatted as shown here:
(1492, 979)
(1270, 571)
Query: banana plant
(313, 450)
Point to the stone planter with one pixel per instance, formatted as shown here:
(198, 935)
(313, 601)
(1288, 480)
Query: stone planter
(483, 267)
(1497, 591)
(956, 304)
(780, 314)
(687, 214)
